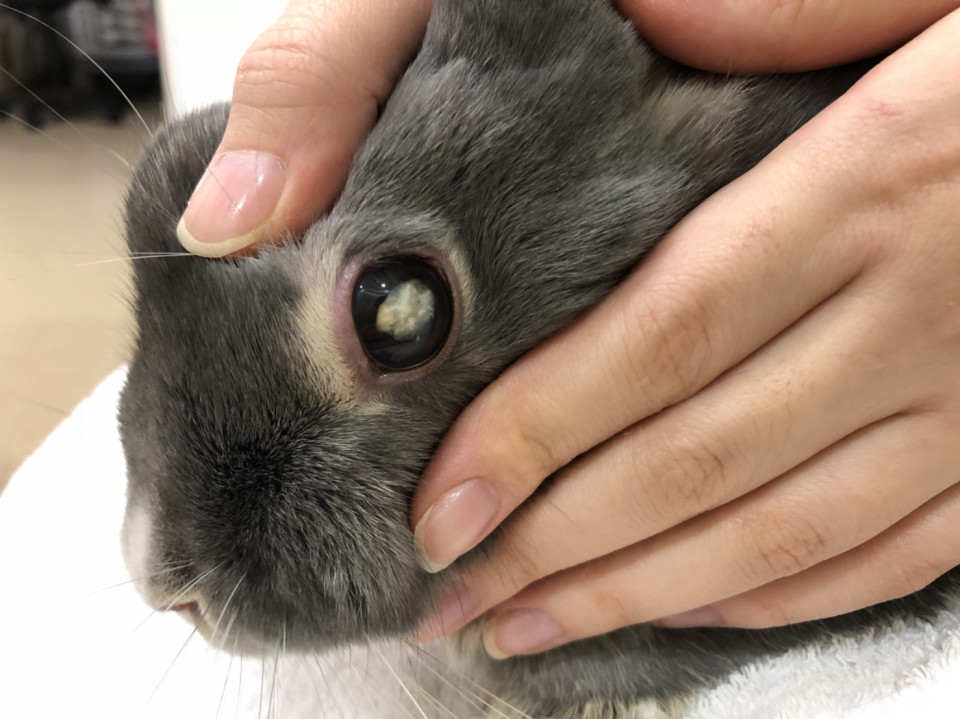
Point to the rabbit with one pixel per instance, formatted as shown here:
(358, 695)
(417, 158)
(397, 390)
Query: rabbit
(281, 407)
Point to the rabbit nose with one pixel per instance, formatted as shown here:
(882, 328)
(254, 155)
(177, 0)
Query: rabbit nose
(192, 607)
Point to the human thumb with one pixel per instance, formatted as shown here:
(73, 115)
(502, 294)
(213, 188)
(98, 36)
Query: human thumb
(306, 94)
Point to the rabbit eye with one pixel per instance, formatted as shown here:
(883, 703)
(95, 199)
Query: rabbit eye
(402, 311)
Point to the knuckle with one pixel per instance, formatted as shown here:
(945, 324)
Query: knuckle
(678, 479)
(666, 347)
(278, 55)
(778, 546)
(913, 575)
(291, 64)
(540, 454)
(532, 445)
(788, 12)
(771, 614)
(520, 561)
(609, 606)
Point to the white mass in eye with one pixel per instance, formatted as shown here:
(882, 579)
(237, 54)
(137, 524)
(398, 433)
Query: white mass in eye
(407, 311)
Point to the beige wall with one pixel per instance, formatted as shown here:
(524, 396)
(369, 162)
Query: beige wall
(63, 313)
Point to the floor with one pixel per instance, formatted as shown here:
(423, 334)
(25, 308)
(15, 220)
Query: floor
(64, 319)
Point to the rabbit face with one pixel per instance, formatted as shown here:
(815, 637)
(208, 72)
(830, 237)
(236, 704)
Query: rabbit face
(278, 413)
(280, 409)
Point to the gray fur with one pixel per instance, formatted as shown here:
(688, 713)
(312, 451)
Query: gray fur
(539, 149)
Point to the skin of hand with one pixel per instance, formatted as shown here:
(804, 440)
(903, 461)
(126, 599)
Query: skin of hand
(769, 405)
(760, 425)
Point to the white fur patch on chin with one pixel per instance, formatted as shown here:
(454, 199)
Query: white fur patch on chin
(136, 547)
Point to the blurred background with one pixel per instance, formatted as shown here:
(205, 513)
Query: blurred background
(67, 139)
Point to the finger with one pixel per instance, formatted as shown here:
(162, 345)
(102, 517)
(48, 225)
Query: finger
(306, 94)
(789, 401)
(690, 312)
(903, 560)
(837, 501)
(695, 308)
(775, 36)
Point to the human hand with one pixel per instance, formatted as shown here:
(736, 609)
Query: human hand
(760, 425)
(307, 92)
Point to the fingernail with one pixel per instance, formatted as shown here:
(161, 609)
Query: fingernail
(231, 203)
(520, 632)
(702, 617)
(455, 523)
(455, 608)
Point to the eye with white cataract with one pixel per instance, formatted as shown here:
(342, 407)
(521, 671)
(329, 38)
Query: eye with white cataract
(402, 312)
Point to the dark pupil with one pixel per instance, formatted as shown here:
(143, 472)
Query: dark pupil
(402, 312)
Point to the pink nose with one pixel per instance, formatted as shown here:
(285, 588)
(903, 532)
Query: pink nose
(185, 607)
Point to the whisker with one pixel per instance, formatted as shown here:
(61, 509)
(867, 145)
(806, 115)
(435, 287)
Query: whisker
(472, 698)
(316, 686)
(94, 263)
(181, 594)
(9, 391)
(434, 700)
(224, 610)
(226, 681)
(263, 672)
(34, 128)
(437, 704)
(140, 579)
(399, 679)
(484, 692)
(173, 661)
(236, 205)
(323, 676)
(86, 55)
(236, 713)
(110, 151)
(375, 686)
(134, 258)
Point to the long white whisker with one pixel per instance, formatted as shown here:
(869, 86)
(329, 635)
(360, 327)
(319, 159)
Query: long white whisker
(236, 206)
(263, 672)
(94, 263)
(158, 573)
(236, 713)
(316, 685)
(110, 151)
(86, 55)
(377, 687)
(472, 698)
(134, 258)
(181, 593)
(172, 662)
(224, 610)
(5, 389)
(403, 684)
(323, 675)
(485, 695)
(34, 128)
(226, 679)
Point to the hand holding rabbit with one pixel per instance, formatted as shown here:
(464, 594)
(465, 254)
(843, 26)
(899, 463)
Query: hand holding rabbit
(759, 427)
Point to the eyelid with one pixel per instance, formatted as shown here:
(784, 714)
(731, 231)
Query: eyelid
(367, 375)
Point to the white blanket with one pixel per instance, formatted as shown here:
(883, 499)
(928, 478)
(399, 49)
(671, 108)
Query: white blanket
(77, 641)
